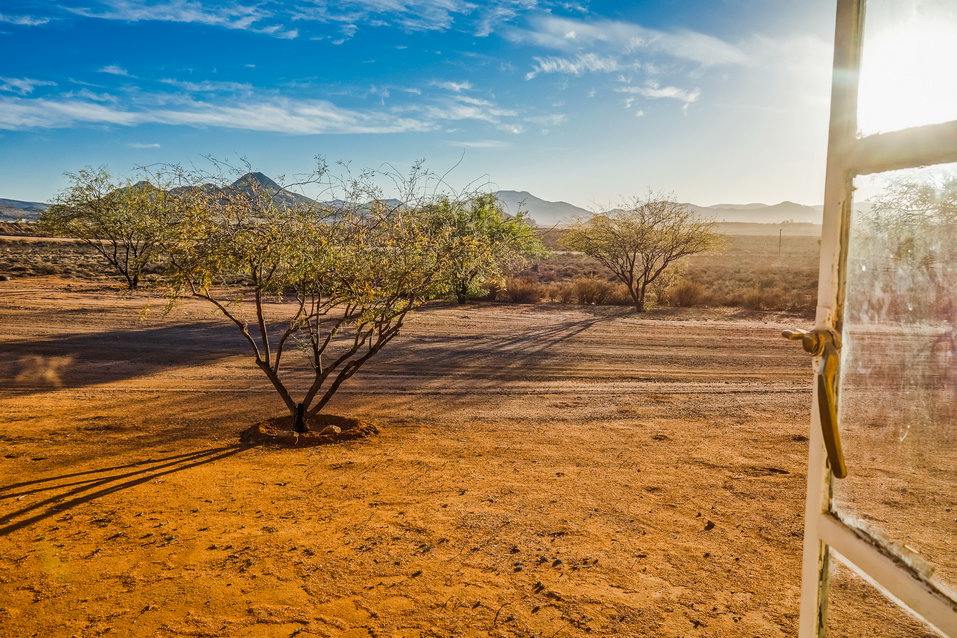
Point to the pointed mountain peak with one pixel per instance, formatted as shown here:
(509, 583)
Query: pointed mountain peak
(257, 178)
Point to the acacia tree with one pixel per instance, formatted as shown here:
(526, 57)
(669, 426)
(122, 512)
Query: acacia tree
(126, 223)
(483, 241)
(638, 242)
(336, 280)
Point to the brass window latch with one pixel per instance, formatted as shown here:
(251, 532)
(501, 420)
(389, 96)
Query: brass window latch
(825, 344)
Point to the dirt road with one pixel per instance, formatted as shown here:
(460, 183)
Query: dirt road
(541, 470)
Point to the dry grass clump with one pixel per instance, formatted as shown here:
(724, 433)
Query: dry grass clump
(686, 293)
(591, 291)
(522, 291)
(586, 291)
(563, 292)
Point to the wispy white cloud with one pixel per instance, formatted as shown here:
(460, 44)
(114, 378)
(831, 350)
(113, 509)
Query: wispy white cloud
(457, 87)
(208, 86)
(254, 111)
(417, 15)
(23, 86)
(87, 94)
(251, 17)
(304, 117)
(552, 119)
(464, 107)
(114, 69)
(583, 63)
(23, 20)
(285, 19)
(412, 15)
(143, 145)
(654, 91)
(627, 38)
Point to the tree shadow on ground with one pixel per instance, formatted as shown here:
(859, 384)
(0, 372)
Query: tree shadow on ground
(85, 490)
(78, 360)
(515, 349)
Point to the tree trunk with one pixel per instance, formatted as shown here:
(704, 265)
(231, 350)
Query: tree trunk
(640, 301)
(462, 294)
(277, 383)
(299, 425)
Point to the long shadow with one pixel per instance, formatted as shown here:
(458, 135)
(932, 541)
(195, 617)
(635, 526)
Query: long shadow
(109, 485)
(499, 354)
(49, 479)
(79, 360)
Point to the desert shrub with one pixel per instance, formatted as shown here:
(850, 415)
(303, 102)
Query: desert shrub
(491, 290)
(522, 291)
(561, 292)
(762, 299)
(619, 296)
(687, 293)
(484, 242)
(591, 290)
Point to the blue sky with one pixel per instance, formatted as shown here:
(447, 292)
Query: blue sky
(588, 102)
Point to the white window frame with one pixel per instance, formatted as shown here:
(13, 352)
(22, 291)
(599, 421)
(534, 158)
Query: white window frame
(848, 156)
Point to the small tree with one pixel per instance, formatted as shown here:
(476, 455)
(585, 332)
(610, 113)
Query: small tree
(484, 242)
(124, 222)
(640, 241)
(336, 280)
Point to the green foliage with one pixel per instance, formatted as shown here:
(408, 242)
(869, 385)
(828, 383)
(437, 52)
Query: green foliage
(339, 280)
(126, 223)
(484, 242)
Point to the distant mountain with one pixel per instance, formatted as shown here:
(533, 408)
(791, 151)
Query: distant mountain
(257, 182)
(544, 213)
(752, 206)
(761, 213)
(14, 209)
(249, 184)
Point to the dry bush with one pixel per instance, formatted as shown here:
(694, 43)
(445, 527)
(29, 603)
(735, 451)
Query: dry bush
(592, 290)
(522, 291)
(687, 293)
(619, 296)
(755, 300)
(561, 292)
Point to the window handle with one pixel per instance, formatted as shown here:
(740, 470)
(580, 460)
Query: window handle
(825, 344)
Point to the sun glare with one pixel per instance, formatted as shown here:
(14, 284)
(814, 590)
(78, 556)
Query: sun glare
(907, 66)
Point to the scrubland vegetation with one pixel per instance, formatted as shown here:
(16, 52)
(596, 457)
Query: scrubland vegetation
(748, 272)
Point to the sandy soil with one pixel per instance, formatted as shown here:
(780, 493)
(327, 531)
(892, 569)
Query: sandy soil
(541, 470)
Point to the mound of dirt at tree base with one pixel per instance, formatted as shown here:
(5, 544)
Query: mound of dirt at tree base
(323, 429)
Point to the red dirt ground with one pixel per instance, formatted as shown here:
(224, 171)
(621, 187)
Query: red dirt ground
(541, 470)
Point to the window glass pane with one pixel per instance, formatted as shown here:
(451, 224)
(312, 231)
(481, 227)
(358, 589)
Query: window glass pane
(907, 64)
(898, 388)
(855, 608)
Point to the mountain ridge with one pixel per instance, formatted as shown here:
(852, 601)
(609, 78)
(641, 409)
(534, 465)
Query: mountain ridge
(543, 212)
